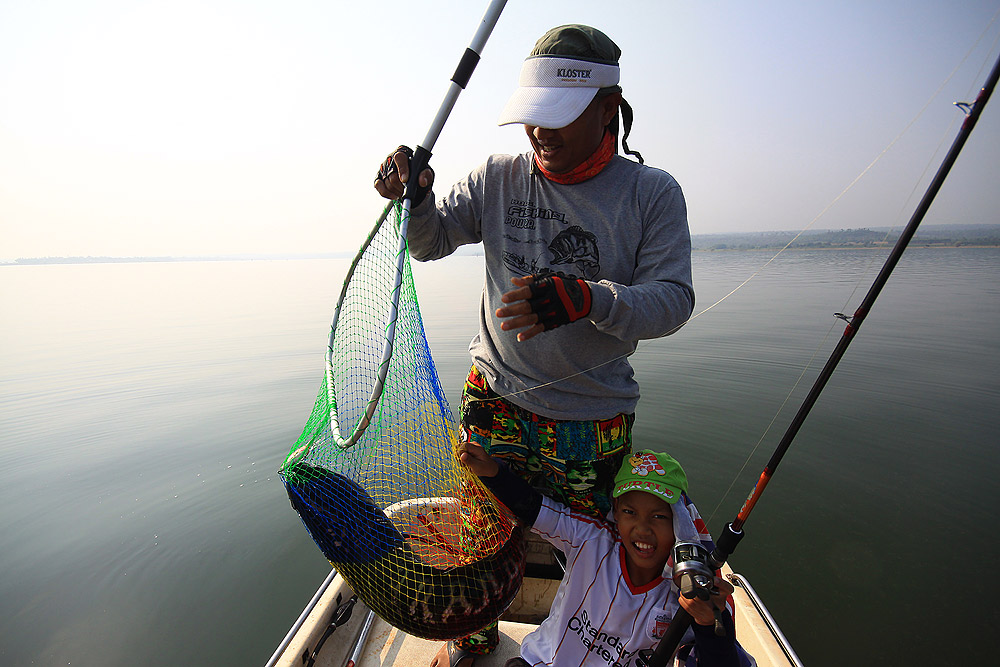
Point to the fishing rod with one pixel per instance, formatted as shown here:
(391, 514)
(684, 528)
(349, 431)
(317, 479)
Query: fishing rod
(733, 532)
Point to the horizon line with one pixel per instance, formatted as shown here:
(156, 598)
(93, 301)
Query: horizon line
(472, 249)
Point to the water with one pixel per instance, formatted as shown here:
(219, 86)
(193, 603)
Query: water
(144, 409)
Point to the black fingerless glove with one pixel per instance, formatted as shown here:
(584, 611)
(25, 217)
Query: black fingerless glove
(414, 190)
(388, 167)
(558, 299)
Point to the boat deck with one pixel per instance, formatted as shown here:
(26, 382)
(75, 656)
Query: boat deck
(393, 647)
(385, 645)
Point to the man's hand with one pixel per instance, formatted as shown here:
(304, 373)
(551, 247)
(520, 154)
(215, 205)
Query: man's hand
(477, 459)
(394, 173)
(519, 315)
(542, 303)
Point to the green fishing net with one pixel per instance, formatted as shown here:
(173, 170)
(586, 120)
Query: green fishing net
(374, 475)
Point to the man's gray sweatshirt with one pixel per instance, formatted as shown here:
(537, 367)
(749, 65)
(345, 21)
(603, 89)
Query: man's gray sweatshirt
(624, 231)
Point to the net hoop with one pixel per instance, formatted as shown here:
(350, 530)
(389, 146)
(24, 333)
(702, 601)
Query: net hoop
(383, 366)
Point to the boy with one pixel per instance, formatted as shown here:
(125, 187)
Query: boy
(614, 600)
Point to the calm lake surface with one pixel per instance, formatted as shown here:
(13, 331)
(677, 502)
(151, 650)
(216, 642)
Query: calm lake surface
(144, 410)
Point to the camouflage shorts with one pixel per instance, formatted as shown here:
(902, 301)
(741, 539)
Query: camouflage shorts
(574, 462)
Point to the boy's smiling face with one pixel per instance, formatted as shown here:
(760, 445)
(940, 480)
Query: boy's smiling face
(646, 525)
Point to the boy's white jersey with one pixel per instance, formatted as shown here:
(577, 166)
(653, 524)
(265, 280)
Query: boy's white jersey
(598, 618)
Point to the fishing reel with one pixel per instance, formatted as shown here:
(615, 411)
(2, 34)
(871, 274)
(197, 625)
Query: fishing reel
(692, 574)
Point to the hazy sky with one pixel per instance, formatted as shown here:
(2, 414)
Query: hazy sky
(191, 127)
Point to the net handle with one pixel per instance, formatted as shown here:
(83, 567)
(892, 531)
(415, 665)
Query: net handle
(467, 64)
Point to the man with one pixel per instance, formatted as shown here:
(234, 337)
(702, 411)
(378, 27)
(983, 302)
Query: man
(597, 249)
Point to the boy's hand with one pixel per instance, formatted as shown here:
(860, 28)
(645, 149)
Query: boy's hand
(477, 459)
(703, 611)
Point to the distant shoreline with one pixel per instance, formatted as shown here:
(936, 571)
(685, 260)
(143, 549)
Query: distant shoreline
(55, 261)
(46, 261)
(932, 236)
(957, 246)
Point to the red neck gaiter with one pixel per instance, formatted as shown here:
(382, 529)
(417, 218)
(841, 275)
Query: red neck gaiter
(587, 169)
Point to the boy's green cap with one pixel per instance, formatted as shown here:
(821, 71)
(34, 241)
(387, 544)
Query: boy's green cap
(652, 472)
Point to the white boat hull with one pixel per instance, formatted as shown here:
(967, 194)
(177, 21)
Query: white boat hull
(382, 645)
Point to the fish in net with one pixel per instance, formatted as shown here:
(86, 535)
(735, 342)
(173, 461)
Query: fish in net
(374, 475)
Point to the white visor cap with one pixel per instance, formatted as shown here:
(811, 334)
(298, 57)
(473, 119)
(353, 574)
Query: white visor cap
(553, 92)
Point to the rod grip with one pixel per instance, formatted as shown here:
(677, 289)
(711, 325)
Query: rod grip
(466, 66)
(414, 192)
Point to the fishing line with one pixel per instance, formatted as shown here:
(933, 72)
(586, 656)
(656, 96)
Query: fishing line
(945, 135)
(904, 207)
(809, 364)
